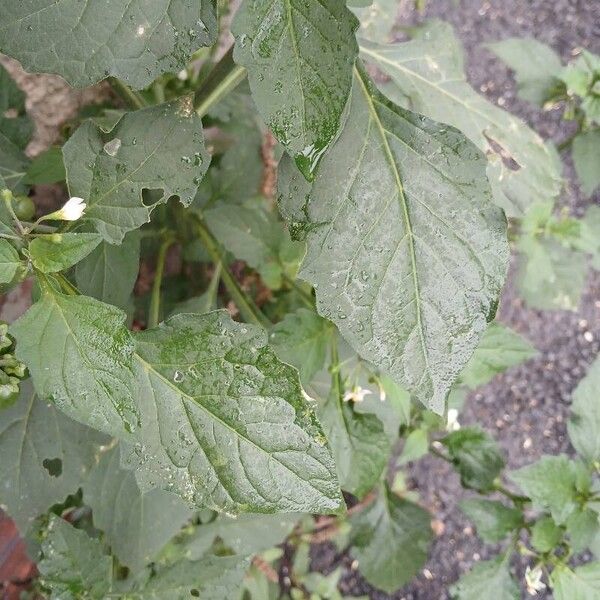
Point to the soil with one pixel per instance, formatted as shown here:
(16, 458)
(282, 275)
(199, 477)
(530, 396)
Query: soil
(525, 408)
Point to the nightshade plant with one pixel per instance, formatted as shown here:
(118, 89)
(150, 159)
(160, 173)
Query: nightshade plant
(183, 444)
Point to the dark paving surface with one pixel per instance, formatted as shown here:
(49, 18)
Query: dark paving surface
(525, 408)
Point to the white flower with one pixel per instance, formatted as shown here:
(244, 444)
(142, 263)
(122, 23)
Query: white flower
(452, 423)
(533, 580)
(71, 211)
(356, 394)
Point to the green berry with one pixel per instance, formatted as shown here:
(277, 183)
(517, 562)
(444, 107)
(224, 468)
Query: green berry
(24, 207)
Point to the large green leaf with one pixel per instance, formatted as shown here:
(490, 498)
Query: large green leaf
(135, 524)
(224, 422)
(109, 272)
(73, 565)
(110, 170)
(581, 583)
(85, 41)
(59, 251)
(301, 339)
(586, 159)
(428, 74)
(390, 540)
(488, 580)
(536, 66)
(493, 520)
(358, 442)
(9, 261)
(584, 424)
(45, 456)
(499, 349)
(551, 484)
(405, 248)
(80, 357)
(299, 55)
(15, 128)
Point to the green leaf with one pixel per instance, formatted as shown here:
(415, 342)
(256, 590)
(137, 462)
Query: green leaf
(536, 67)
(428, 73)
(581, 583)
(377, 18)
(586, 158)
(73, 564)
(584, 423)
(85, 42)
(110, 170)
(45, 456)
(390, 540)
(47, 167)
(9, 261)
(415, 446)
(109, 272)
(581, 78)
(476, 456)
(545, 535)
(224, 422)
(550, 275)
(80, 356)
(300, 339)
(212, 578)
(254, 234)
(359, 444)
(487, 580)
(499, 349)
(15, 129)
(493, 520)
(405, 248)
(589, 235)
(550, 483)
(57, 252)
(583, 528)
(135, 524)
(299, 55)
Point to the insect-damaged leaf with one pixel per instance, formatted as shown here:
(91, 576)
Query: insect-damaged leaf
(406, 251)
(85, 41)
(110, 170)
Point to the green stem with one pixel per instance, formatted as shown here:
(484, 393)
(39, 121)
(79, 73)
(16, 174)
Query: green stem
(248, 309)
(223, 78)
(213, 286)
(519, 500)
(7, 198)
(154, 312)
(304, 295)
(131, 97)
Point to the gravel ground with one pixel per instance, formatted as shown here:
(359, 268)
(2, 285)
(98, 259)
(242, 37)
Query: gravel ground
(526, 408)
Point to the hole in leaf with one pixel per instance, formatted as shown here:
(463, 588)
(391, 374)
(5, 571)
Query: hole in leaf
(152, 197)
(194, 592)
(53, 466)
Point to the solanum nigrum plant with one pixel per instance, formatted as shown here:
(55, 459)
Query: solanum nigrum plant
(281, 346)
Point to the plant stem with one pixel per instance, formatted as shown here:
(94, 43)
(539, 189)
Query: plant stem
(131, 97)
(223, 78)
(304, 295)
(248, 309)
(153, 313)
(7, 198)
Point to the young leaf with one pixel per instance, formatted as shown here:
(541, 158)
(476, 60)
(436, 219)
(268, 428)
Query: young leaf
(45, 456)
(85, 42)
(135, 524)
(493, 520)
(536, 66)
(73, 564)
(581, 583)
(429, 71)
(47, 167)
(487, 580)
(390, 540)
(584, 424)
(15, 130)
(545, 535)
(80, 357)
(550, 483)
(225, 424)
(301, 339)
(299, 56)
(476, 456)
(586, 158)
(57, 252)
(407, 253)
(499, 349)
(9, 261)
(358, 442)
(109, 272)
(110, 170)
